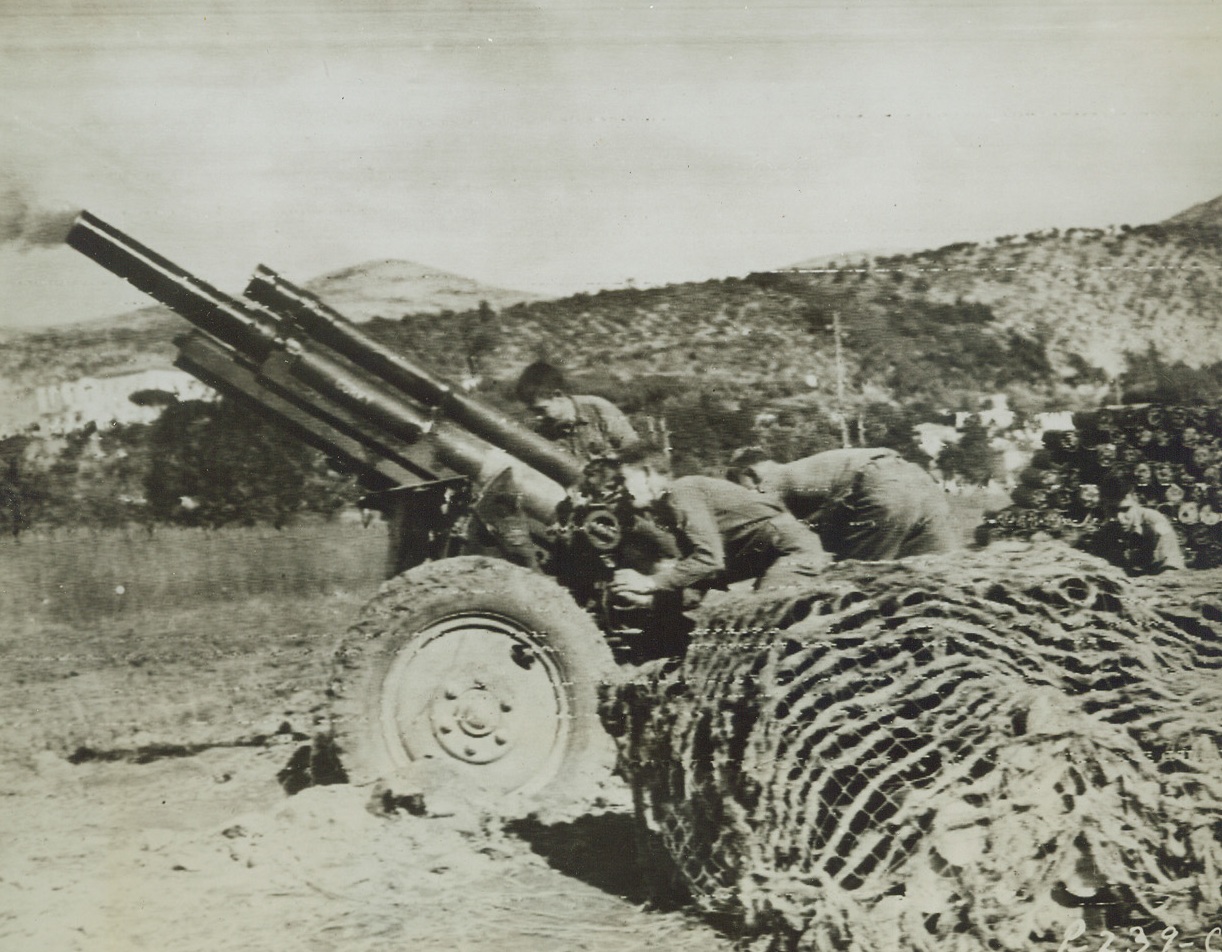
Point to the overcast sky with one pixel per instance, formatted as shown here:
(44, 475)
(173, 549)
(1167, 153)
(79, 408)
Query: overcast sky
(568, 145)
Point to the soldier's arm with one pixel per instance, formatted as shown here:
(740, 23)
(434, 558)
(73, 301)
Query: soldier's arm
(1167, 551)
(703, 556)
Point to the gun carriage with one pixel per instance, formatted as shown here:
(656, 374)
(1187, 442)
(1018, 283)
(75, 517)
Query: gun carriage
(480, 662)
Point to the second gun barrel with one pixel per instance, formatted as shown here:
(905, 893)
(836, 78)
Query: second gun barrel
(328, 326)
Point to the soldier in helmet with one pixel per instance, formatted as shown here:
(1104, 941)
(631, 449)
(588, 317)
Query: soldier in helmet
(585, 425)
(869, 504)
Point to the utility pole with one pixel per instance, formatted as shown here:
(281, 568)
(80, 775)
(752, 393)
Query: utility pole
(844, 421)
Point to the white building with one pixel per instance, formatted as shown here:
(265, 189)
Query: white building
(64, 407)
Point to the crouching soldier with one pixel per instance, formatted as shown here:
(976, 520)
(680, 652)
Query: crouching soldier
(724, 533)
(869, 504)
(1140, 540)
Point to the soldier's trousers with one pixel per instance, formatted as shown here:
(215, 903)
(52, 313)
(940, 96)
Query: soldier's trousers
(895, 510)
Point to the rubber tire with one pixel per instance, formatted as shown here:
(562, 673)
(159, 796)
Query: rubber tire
(374, 664)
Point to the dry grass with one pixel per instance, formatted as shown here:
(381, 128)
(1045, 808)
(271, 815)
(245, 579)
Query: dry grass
(206, 674)
(85, 576)
(177, 636)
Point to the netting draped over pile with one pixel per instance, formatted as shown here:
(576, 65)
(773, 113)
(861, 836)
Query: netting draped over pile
(940, 755)
(1172, 454)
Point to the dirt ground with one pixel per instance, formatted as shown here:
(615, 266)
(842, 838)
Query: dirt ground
(206, 852)
(140, 808)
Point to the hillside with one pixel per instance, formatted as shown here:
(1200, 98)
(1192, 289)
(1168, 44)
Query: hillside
(1048, 312)
(143, 339)
(1053, 319)
(1208, 214)
(1095, 295)
(131, 342)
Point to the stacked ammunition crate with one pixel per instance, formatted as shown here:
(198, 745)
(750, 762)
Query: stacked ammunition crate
(1173, 454)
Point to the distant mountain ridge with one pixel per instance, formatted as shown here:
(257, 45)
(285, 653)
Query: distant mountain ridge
(392, 288)
(1207, 213)
(1048, 311)
(838, 259)
(143, 339)
(1088, 298)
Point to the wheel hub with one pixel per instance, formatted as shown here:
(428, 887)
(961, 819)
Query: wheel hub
(473, 723)
(478, 694)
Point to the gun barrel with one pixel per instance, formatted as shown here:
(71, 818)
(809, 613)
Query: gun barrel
(293, 407)
(326, 325)
(210, 310)
(252, 332)
(379, 412)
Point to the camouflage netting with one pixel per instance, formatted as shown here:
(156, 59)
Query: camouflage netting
(916, 756)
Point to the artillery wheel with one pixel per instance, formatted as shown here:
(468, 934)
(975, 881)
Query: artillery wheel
(474, 676)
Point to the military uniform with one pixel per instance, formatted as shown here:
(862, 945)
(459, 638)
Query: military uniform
(1143, 542)
(727, 533)
(869, 504)
(601, 429)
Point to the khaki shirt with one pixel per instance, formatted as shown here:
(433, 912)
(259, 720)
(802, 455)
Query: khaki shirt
(807, 486)
(601, 429)
(1159, 547)
(718, 526)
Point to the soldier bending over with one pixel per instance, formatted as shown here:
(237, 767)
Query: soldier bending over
(725, 533)
(585, 425)
(869, 504)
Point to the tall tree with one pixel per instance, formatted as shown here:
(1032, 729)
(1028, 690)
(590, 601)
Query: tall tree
(216, 464)
(972, 458)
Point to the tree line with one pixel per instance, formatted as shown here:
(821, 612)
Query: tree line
(214, 463)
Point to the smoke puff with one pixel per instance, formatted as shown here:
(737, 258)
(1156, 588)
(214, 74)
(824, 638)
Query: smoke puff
(28, 226)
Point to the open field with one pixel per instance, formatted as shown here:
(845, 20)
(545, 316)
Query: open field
(140, 749)
(86, 575)
(139, 755)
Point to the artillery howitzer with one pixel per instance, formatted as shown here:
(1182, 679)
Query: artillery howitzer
(468, 664)
(976, 751)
